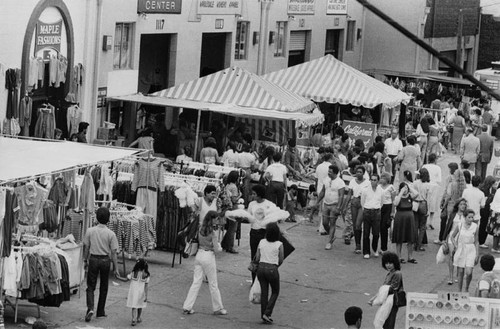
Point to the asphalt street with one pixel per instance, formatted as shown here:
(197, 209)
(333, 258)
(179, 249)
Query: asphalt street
(317, 285)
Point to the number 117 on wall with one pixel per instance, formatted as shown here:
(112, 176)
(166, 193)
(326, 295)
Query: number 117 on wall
(160, 23)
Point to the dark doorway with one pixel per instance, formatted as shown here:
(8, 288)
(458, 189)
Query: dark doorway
(213, 53)
(154, 62)
(296, 57)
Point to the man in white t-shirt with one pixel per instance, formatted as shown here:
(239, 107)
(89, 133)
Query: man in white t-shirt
(321, 175)
(371, 201)
(475, 201)
(331, 197)
(355, 188)
(393, 146)
(276, 173)
(489, 283)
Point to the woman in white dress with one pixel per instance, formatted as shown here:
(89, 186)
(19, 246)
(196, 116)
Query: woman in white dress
(467, 249)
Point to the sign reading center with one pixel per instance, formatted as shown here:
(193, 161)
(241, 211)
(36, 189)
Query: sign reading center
(219, 7)
(48, 36)
(159, 6)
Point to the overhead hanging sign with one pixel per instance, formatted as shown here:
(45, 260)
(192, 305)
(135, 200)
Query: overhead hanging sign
(219, 7)
(301, 7)
(360, 130)
(336, 7)
(48, 36)
(159, 6)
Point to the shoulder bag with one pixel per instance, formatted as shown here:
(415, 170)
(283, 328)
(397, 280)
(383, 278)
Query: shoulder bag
(400, 296)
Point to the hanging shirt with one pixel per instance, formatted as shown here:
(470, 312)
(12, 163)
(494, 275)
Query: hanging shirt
(74, 117)
(31, 198)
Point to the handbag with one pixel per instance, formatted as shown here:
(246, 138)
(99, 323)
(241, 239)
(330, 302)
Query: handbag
(253, 267)
(192, 247)
(400, 298)
(288, 248)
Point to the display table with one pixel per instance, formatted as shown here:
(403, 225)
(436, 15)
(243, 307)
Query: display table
(451, 310)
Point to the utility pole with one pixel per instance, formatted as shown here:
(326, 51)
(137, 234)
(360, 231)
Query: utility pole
(265, 5)
(460, 29)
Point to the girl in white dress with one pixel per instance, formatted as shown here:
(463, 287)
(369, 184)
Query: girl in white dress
(466, 249)
(138, 290)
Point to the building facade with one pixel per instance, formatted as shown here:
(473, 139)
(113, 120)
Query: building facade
(129, 46)
(450, 26)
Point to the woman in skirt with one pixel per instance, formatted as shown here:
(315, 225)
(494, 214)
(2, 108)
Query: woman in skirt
(404, 230)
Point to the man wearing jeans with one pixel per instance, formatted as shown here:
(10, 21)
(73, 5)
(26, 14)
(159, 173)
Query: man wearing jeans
(371, 201)
(332, 196)
(99, 248)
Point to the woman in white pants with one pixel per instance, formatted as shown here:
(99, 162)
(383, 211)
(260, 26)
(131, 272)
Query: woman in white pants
(205, 265)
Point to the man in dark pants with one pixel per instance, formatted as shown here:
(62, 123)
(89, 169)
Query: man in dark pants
(99, 247)
(393, 146)
(486, 143)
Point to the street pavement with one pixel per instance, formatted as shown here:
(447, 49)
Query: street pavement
(317, 285)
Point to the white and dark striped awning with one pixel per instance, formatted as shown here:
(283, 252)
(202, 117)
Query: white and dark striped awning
(236, 92)
(239, 87)
(327, 79)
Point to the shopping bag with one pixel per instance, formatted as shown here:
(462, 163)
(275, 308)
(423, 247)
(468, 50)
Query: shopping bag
(441, 256)
(254, 296)
(383, 312)
(382, 294)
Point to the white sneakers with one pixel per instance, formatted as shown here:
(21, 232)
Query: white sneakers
(483, 246)
(376, 254)
(367, 256)
(328, 246)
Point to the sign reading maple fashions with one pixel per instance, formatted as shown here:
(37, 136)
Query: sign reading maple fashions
(219, 7)
(48, 36)
(301, 7)
(159, 6)
(336, 7)
(360, 130)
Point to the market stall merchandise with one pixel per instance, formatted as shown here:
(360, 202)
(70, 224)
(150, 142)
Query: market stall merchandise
(451, 310)
(234, 92)
(41, 177)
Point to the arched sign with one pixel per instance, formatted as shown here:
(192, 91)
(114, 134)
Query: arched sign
(42, 35)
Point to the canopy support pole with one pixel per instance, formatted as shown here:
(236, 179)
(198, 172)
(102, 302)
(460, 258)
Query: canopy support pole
(195, 155)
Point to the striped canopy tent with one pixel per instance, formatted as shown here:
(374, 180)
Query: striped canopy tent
(327, 79)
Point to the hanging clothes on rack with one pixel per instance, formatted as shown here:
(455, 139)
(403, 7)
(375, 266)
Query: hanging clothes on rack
(148, 180)
(31, 197)
(74, 118)
(171, 218)
(25, 111)
(11, 85)
(87, 200)
(73, 224)
(46, 122)
(10, 216)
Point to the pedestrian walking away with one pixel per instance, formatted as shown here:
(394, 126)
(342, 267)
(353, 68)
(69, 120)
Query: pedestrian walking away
(99, 249)
(269, 256)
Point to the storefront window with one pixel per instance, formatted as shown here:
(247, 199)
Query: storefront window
(240, 50)
(280, 39)
(123, 46)
(351, 26)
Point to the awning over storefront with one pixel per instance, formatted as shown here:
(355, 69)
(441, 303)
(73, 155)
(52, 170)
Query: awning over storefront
(422, 76)
(23, 158)
(327, 79)
(237, 92)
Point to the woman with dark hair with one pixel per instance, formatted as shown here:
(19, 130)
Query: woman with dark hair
(423, 187)
(230, 157)
(454, 219)
(394, 279)
(409, 158)
(458, 123)
(204, 265)
(345, 144)
(466, 256)
(209, 154)
(378, 157)
(269, 152)
(258, 208)
(404, 230)
(422, 133)
(145, 141)
(269, 256)
(232, 195)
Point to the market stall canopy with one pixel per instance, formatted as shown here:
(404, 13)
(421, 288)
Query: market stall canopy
(236, 92)
(327, 79)
(23, 158)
